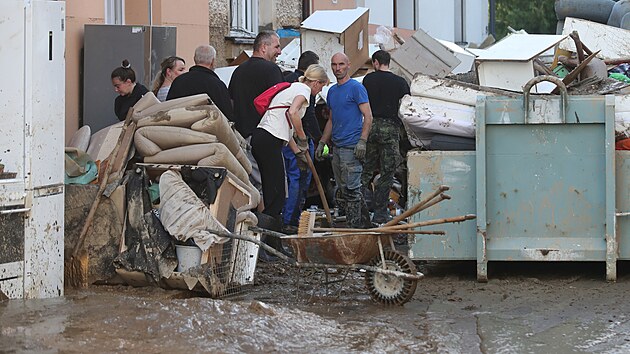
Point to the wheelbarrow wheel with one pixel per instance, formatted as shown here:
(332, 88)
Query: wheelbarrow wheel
(390, 289)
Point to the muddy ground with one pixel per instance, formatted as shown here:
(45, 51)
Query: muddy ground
(525, 307)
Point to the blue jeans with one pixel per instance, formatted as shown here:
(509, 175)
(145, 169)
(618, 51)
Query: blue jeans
(347, 170)
(297, 183)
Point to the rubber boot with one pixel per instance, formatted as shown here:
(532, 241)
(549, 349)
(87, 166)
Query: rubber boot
(365, 216)
(354, 215)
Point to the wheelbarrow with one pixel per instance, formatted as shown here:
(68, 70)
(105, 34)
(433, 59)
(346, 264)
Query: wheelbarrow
(391, 278)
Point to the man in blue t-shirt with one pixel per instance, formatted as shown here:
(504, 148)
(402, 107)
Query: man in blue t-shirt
(349, 126)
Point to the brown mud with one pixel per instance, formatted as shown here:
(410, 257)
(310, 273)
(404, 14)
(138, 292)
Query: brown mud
(525, 307)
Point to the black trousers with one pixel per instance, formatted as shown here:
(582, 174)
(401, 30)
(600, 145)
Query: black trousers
(267, 150)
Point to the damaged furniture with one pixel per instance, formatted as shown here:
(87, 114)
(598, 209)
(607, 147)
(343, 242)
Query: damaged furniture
(193, 201)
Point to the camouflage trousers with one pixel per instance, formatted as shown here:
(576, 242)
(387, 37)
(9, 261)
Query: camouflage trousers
(382, 155)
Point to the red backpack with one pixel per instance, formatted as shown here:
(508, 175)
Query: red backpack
(263, 100)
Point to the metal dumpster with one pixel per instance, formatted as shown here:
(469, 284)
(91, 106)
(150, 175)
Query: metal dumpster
(545, 183)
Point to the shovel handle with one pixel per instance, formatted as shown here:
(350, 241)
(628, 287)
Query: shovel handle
(320, 188)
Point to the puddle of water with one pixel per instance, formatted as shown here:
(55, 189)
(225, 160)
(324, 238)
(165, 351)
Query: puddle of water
(144, 321)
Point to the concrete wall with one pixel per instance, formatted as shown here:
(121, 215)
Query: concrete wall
(288, 14)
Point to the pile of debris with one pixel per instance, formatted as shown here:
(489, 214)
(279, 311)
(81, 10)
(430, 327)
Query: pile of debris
(588, 58)
(163, 210)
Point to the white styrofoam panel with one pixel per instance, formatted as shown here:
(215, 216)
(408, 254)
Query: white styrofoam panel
(44, 247)
(467, 58)
(13, 288)
(288, 59)
(47, 93)
(225, 73)
(333, 21)
(612, 42)
(12, 148)
(520, 47)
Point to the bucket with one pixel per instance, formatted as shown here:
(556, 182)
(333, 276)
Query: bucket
(187, 257)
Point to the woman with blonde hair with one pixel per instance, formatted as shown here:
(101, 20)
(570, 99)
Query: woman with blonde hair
(172, 67)
(281, 126)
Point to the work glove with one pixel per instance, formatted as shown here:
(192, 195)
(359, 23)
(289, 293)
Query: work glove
(359, 150)
(300, 159)
(302, 144)
(319, 152)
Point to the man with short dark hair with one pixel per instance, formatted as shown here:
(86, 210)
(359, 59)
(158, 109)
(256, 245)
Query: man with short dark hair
(249, 80)
(348, 128)
(201, 78)
(385, 90)
(252, 78)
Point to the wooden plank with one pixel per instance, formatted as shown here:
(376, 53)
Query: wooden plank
(612, 42)
(452, 90)
(424, 54)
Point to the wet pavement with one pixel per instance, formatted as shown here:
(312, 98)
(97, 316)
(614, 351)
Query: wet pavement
(524, 308)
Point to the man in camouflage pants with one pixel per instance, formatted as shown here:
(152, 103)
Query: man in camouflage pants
(384, 91)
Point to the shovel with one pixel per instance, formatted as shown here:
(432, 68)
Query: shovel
(320, 188)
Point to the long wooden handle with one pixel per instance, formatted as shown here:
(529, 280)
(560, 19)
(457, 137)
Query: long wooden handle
(101, 188)
(320, 188)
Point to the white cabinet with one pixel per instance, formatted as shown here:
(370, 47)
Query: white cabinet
(32, 112)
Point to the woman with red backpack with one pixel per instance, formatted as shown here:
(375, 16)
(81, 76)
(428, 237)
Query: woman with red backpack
(281, 124)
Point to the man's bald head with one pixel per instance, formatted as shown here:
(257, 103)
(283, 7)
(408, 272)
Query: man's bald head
(340, 65)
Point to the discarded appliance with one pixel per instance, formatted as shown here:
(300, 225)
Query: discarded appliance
(32, 149)
(327, 32)
(544, 187)
(509, 64)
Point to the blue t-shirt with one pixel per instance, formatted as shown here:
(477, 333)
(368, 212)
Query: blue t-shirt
(347, 119)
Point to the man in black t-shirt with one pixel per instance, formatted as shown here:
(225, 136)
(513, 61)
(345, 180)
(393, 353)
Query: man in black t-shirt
(251, 78)
(385, 90)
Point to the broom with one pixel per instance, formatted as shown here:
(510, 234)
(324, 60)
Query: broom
(76, 268)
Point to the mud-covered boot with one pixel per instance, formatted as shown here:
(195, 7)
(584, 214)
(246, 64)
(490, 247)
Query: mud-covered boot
(365, 216)
(354, 215)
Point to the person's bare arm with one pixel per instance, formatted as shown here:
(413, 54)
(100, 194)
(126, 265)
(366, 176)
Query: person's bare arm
(295, 117)
(367, 120)
(326, 134)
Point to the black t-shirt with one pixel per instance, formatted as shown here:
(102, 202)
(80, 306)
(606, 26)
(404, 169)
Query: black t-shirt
(385, 90)
(248, 81)
(123, 103)
(198, 80)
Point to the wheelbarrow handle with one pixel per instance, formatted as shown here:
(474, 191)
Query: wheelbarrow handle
(266, 247)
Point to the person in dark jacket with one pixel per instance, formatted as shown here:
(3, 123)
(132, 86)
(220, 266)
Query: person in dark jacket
(129, 92)
(201, 78)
